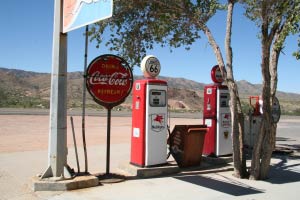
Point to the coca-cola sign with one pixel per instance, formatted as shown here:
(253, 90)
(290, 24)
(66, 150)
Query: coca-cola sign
(109, 80)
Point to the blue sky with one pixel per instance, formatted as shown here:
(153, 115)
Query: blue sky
(26, 43)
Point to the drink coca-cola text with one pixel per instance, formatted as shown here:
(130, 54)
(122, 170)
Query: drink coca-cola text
(116, 79)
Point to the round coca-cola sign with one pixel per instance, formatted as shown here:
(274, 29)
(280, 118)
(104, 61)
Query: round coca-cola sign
(109, 80)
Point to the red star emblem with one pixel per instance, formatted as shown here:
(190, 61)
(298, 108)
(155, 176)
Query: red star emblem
(159, 118)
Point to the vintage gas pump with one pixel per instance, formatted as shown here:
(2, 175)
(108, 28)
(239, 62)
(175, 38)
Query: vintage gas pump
(149, 117)
(217, 117)
(254, 119)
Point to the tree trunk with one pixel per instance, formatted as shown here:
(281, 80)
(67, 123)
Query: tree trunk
(237, 117)
(239, 160)
(270, 140)
(262, 150)
(214, 46)
(267, 150)
(236, 111)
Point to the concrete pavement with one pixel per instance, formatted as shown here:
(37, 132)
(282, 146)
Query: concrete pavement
(16, 174)
(194, 185)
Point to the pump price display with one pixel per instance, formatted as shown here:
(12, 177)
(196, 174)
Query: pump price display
(150, 66)
(109, 80)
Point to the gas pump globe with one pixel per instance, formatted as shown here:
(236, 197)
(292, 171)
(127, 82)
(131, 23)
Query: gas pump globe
(149, 117)
(217, 116)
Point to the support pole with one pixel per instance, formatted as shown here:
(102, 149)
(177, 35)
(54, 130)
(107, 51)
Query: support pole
(57, 152)
(83, 99)
(75, 144)
(108, 141)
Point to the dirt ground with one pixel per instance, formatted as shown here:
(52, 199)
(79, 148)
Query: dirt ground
(30, 132)
(20, 133)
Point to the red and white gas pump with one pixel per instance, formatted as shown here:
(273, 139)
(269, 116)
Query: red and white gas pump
(149, 117)
(217, 117)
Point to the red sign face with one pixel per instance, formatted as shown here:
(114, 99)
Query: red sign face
(109, 80)
(216, 75)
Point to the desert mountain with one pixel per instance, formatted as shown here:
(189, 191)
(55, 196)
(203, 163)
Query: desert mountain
(20, 88)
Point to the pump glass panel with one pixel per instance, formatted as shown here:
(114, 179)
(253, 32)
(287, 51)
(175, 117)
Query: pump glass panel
(224, 100)
(157, 98)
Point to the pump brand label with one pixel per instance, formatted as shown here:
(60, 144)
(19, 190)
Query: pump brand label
(158, 122)
(226, 120)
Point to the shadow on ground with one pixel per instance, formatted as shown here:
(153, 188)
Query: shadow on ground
(284, 139)
(229, 186)
(282, 173)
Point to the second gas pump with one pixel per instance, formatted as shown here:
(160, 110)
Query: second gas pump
(149, 117)
(217, 116)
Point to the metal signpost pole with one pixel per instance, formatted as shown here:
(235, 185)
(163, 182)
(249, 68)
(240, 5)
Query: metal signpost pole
(108, 141)
(83, 98)
(57, 154)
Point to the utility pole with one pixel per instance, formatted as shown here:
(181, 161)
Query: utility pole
(57, 150)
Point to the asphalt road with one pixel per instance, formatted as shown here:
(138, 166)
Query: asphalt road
(90, 112)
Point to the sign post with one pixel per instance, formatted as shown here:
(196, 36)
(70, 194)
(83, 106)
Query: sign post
(68, 15)
(109, 81)
(57, 160)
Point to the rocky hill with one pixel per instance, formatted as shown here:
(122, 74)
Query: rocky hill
(20, 88)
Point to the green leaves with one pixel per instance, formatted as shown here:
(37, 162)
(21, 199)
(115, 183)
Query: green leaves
(282, 18)
(137, 25)
(297, 53)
